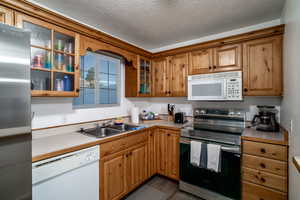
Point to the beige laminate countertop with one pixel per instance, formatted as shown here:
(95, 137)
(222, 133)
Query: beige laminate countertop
(52, 142)
(280, 137)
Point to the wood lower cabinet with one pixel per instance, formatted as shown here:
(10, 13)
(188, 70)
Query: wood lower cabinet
(113, 177)
(136, 166)
(6, 15)
(172, 158)
(262, 67)
(167, 144)
(264, 171)
(152, 159)
(127, 162)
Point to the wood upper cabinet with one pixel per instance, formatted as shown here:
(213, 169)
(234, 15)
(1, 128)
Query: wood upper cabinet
(54, 58)
(144, 76)
(6, 15)
(113, 177)
(136, 166)
(160, 76)
(262, 67)
(167, 152)
(219, 59)
(227, 58)
(200, 61)
(178, 66)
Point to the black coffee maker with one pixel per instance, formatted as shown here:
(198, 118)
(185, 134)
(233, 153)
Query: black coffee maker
(266, 119)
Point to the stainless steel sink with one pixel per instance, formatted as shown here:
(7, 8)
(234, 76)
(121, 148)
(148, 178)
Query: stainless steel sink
(125, 127)
(101, 132)
(110, 130)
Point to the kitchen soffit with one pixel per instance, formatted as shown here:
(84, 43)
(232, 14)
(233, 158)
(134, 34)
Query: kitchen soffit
(153, 24)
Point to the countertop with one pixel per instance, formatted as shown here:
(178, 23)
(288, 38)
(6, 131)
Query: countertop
(279, 138)
(296, 161)
(56, 141)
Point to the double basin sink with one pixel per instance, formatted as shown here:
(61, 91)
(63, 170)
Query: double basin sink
(110, 130)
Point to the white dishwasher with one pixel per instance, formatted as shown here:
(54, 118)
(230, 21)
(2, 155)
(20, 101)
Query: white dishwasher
(72, 176)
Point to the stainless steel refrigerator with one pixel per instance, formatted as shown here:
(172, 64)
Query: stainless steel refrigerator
(15, 114)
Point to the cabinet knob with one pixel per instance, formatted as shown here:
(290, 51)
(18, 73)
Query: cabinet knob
(209, 67)
(262, 150)
(262, 165)
(245, 90)
(169, 92)
(215, 67)
(263, 180)
(168, 134)
(77, 90)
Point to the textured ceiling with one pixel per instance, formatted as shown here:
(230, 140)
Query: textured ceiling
(153, 24)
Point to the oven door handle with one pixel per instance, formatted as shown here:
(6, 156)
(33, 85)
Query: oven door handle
(236, 150)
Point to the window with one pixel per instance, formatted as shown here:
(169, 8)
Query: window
(99, 81)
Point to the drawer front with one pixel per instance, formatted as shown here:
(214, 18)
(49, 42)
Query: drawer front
(112, 147)
(265, 179)
(277, 152)
(255, 192)
(265, 164)
(136, 139)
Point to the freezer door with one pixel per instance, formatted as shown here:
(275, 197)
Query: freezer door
(15, 93)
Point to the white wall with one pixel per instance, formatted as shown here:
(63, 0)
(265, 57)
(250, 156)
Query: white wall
(291, 100)
(59, 111)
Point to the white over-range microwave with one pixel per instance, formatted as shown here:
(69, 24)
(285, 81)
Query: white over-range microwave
(224, 86)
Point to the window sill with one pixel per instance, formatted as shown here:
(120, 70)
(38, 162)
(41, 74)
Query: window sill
(296, 161)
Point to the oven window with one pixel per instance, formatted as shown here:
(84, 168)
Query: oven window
(212, 89)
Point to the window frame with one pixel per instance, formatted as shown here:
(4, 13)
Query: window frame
(107, 57)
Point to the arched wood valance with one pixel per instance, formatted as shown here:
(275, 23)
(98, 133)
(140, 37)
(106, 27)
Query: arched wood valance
(89, 44)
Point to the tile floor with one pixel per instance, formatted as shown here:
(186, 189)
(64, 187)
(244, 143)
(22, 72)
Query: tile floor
(159, 188)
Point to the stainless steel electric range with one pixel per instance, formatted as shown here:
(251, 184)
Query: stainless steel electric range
(218, 126)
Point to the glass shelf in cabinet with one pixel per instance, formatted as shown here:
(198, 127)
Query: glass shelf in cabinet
(64, 43)
(40, 58)
(63, 82)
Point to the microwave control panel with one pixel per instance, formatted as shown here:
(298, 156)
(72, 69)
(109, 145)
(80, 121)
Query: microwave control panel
(234, 89)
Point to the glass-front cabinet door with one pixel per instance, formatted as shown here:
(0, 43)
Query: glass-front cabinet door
(144, 67)
(54, 58)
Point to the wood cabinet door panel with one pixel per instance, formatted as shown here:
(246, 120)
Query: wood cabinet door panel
(201, 61)
(265, 164)
(262, 62)
(151, 154)
(160, 86)
(265, 179)
(161, 151)
(113, 184)
(138, 166)
(228, 58)
(178, 66)
(6, 15)
(172, 155)
(255, 192)
(265, 150)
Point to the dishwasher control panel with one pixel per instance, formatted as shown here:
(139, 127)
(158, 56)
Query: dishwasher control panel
(45, 169)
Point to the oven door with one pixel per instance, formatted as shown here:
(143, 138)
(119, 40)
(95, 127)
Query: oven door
(207, 89)
(226, 183)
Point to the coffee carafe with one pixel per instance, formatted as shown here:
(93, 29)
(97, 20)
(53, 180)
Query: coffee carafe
(265, 120)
